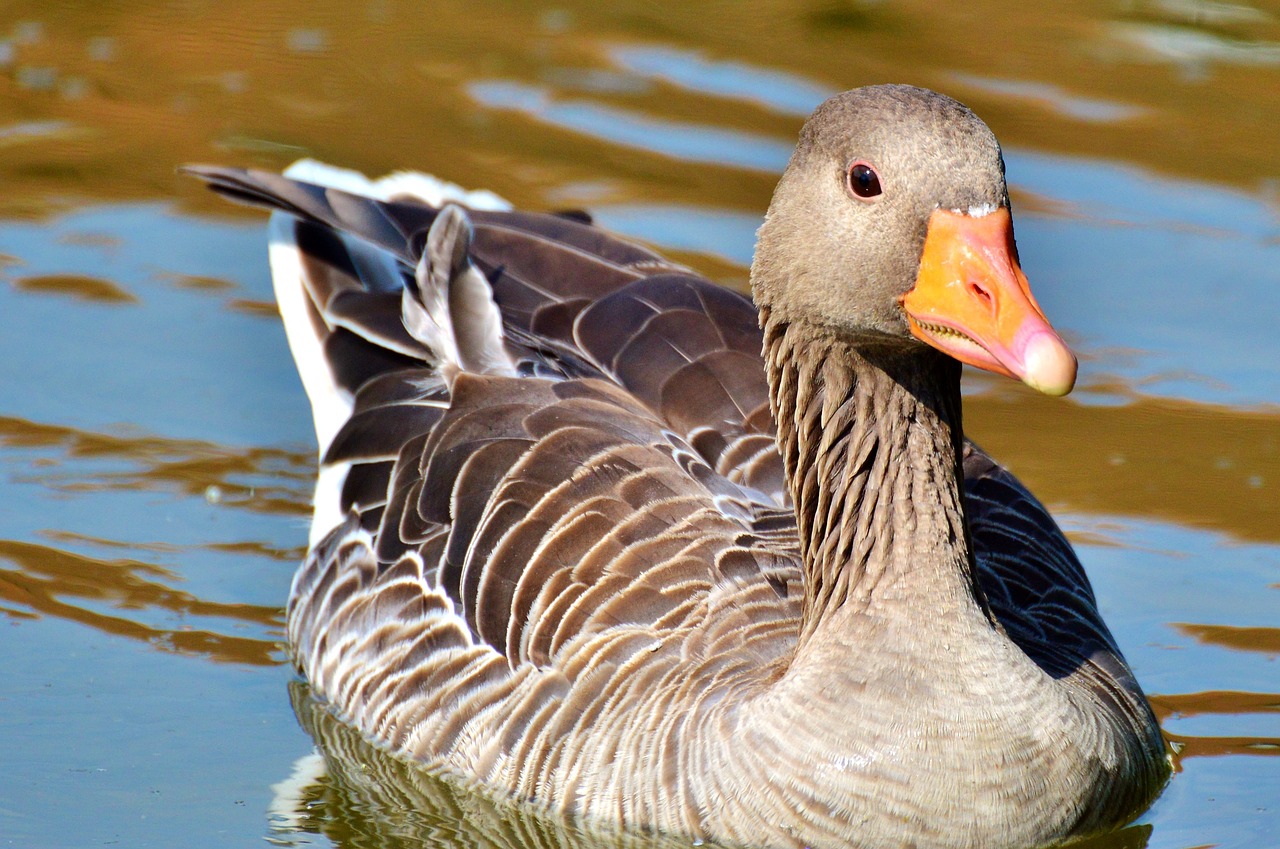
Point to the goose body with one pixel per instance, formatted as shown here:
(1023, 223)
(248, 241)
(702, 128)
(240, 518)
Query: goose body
(576, 539)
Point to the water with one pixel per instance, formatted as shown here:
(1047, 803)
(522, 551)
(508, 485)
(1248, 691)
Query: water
(156, 450)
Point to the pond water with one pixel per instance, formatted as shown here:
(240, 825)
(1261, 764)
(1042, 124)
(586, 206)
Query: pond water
(156, 449)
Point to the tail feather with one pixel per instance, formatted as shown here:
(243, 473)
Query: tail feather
(450, 308)
(333, 288)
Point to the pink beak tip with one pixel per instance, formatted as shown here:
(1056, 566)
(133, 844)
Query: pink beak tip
(1048, 364)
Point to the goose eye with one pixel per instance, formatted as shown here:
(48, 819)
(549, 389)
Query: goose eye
(863, 181)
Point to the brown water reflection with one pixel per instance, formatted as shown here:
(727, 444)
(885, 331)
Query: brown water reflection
(1195, 464)
(70, 285)
(125, 596)
(1217, 703)
(1153, 82)
(267, 480)
(45, 578)
(1266, 640)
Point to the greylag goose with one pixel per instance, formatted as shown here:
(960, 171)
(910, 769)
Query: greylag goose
(577, 540)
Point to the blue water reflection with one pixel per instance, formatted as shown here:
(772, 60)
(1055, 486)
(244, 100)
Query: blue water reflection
(688, 142)
(102, 362)
(778, 90)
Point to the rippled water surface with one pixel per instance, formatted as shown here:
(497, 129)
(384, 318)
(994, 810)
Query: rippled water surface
(156, 449)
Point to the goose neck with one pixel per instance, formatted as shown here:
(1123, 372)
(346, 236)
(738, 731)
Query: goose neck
(870, 433)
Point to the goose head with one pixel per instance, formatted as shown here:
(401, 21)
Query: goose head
(891, 225)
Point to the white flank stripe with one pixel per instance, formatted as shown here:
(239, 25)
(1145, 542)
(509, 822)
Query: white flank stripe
(330, 406)
(327, 501)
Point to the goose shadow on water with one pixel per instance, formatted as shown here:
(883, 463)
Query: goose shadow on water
(357, 795)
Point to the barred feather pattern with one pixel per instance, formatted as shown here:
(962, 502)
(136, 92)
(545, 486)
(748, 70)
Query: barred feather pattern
(391, 803)
(582, 585)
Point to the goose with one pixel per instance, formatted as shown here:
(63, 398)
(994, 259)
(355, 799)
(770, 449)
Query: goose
(594, 533)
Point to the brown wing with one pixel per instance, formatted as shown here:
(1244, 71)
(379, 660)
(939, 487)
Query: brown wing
(552, 508)
(581, 301)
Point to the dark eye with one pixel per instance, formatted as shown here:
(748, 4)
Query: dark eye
(863, 181)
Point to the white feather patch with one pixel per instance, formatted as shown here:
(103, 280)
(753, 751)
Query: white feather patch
(327, 501)
(412, 184)
(330, 405)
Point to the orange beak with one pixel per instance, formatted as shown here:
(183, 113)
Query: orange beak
(972, 301)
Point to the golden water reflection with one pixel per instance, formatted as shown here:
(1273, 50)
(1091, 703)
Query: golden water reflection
(76, 286)
(267, 480)
(1240, 638)
(133, 598)
(1149, 81)
(47, 581)
(1198, 465)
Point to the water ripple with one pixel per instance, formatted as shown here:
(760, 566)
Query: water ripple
(78, 286)
(1192, 48)
(677, 140)
(265, 480)
(47, 581)
(1089, 109)
(782, 92)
